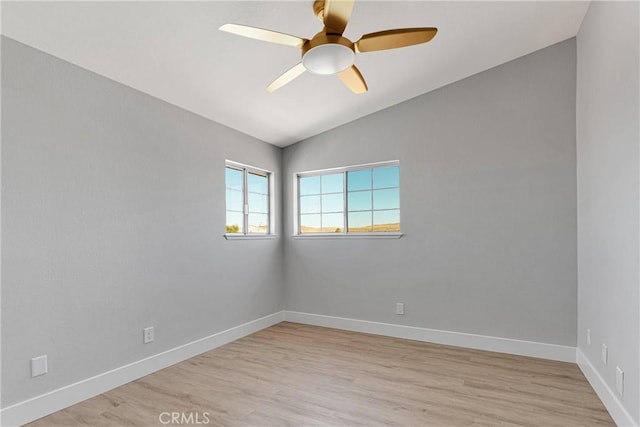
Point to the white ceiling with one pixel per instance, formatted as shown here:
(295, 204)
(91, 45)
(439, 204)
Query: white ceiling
(174, 51)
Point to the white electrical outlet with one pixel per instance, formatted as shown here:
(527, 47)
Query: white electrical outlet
(399, 308)
(588, 336)
(619, 380)
(39, 366)
(147, 335)
(605, 353)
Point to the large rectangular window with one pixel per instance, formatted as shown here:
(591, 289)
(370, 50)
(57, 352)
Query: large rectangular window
(358, 199)
(248, 193)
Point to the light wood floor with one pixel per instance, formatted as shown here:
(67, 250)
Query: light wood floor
(297, 375)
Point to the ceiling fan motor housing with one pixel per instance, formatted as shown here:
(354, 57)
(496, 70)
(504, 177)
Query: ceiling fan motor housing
(328, 54)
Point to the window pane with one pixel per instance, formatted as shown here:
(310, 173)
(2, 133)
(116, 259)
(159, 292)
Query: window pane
(359, 201)
(257, 183)
(359, 180)
(386, 199)
(309, 185)
(309, 204)
(235, 221)
(233, 179)
(310, 224)
(386, 220)
(386, 177)
(359, 222)
(333, 183)
(333, 223)
(258, 223)
(258, 203)
(332, 202)
(235, 200)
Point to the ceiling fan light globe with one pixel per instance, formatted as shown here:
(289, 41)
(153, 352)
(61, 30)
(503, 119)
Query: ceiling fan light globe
(330, 58)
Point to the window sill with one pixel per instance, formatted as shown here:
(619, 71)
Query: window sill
(349, 236)
(249, 237)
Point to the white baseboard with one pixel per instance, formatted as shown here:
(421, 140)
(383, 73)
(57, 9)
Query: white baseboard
(45, 404)
(459, 339)
(40, 406)
(604, 392)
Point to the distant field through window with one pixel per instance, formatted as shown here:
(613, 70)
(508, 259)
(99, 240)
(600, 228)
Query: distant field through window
(248, 200)
(359, 199)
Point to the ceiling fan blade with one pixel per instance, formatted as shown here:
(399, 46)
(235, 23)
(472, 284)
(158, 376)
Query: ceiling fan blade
(264, 35)
(336, 15)
(287, 77)
(391, 39)
(352, 79)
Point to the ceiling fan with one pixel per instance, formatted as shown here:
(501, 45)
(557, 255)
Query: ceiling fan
(329, 52)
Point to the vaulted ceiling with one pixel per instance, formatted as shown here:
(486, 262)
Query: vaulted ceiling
(174, 51)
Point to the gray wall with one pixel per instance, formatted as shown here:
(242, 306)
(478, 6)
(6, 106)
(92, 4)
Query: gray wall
(608, 189)
(488, 205)
(112, 220)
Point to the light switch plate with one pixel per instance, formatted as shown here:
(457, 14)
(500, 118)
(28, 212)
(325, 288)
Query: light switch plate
(619, 380)
(39, 366)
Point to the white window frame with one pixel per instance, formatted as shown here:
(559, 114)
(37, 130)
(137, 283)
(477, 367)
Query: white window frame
(345, 234)
(246, 169)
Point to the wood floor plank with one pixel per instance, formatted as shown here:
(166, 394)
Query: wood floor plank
(299, 375)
